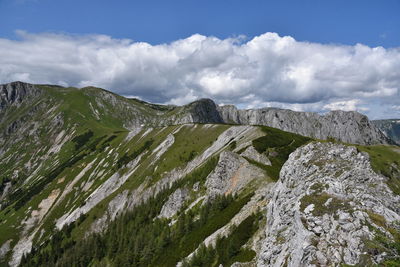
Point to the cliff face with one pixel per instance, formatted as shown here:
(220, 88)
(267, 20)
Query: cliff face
(350, 127)
(391, 128)
(12, 94)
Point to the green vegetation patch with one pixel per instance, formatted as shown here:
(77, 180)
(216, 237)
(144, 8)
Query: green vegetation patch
(319, 200)
(383, 244)
(386, 161)
(228, 250)
(82, 139)
(278, 145)
(139, 238)
(126, 158)
(190, 141)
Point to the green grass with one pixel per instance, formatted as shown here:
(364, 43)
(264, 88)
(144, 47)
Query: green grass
(229, 249)
(386, 161)
(319, 199)
(278, 144)
(189, 143)
(382, 244)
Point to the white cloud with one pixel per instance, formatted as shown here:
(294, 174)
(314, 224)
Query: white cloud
(348, 105)
(265, 70)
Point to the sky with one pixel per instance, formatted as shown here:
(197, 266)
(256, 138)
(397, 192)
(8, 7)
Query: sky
(309, 55)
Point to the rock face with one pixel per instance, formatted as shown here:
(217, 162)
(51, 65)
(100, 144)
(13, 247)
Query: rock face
(389, 127)
(253, 154)
(346, 126)
(201, 111)
(326, 206)
(14, 93)
(231, 174)
(4, 249)
(174, 203)
(219, 181)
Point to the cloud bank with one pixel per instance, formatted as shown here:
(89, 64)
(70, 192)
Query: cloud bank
(268, 70)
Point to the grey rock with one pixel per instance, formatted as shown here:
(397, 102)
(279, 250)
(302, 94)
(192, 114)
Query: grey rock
(4, 249)
(174, 203)
(253, 154)
(347, 126)
(391, 128)
(13, 94)
(326, 233)
(219, 181)
(231, 174)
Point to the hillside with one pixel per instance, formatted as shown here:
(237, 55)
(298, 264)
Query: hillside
(90, 178)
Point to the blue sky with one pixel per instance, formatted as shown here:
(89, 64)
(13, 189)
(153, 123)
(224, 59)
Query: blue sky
(372, 22)
(303, 55)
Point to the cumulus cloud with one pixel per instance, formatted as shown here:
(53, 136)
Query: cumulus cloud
(263, 71)
(347, 105)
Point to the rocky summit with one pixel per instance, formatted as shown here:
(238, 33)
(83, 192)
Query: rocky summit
(90, 178)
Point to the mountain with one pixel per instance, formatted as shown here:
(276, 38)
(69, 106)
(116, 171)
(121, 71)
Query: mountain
(391, 128)
(96, 104)
(346, 126)
(90, 178)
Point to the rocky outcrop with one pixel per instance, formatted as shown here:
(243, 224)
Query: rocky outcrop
(174, 203)
(389, 127)
(327, 209)
(14, 93)
(346, 126)
(4, 249)
(220, 180)
(200, 111)
(126, 202)
(252, 153)
(231, 174)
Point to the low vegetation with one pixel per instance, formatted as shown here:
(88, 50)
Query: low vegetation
(140, 238)
(321, 206)
(228, 250)
(386, 161)
(278, 145)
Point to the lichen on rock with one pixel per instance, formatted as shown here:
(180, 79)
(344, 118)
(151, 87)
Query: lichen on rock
(324, 207)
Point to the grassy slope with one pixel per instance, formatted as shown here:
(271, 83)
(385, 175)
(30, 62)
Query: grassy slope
(278, 145)
(385, 160)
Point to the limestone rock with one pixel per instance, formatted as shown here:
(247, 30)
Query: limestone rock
(324, 208)
(253, 154)
(391, 128)
(174, 203)
(347, 126)
(4, 249)
(16, 92)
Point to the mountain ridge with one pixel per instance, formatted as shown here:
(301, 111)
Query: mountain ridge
(345, 126)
